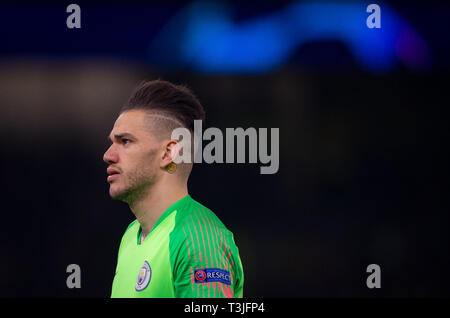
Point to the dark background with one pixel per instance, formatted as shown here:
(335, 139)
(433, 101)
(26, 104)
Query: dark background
(363, 174)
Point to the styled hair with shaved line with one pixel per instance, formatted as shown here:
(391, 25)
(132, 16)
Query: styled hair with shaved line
(176, 102)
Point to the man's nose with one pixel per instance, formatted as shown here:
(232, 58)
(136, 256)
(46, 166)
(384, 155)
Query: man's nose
(110, 156)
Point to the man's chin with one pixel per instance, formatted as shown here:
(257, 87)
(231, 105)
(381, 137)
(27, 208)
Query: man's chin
(118, 195)
(127, 194)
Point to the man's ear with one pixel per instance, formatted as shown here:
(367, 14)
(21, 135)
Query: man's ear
(170, 152)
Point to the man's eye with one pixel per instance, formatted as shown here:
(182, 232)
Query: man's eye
(126, 141)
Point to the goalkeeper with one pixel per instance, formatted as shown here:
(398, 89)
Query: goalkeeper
(176, 247)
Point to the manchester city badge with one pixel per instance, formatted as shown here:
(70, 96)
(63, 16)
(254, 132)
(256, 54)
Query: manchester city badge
(144, 276)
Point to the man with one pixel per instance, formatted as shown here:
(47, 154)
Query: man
(176, 247)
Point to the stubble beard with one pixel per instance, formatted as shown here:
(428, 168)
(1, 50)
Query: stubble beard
(137, 185)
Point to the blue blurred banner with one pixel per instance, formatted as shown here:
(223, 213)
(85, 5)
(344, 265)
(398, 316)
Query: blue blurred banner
(204, 37)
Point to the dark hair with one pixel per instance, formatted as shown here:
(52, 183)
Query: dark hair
(162, 97)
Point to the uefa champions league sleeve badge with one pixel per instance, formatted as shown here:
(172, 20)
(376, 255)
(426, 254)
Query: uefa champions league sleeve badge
(144, 276)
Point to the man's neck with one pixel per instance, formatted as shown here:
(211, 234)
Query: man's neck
(159, 198)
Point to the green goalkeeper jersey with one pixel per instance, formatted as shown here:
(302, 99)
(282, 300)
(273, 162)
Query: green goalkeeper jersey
(188, 253)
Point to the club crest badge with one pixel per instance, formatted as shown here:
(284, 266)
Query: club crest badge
(144, 276)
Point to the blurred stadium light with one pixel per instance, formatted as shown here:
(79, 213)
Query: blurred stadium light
(204, 38)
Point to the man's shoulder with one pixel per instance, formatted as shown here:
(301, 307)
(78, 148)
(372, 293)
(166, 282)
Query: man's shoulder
(195, 220)
(197, 213)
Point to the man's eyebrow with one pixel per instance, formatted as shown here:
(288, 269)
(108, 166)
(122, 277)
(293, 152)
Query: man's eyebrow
(122, 135)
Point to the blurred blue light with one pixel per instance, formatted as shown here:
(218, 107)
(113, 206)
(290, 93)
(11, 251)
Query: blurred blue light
(203, 37)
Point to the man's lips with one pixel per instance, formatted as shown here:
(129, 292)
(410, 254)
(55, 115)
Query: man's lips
(112, 173)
